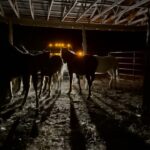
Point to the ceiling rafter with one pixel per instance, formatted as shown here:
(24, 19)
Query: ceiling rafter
(108, 9)
(87, 10)
(79, 11)
(72, 7)
(14, 6)
(49, 9)
(123, 20)
(116, 11)
(136, 5)
(2, 11)
(110, 18)
(141, 20)
(31, 9)
(94, 11)
(141, 12)
(64, 10)
(103, 12)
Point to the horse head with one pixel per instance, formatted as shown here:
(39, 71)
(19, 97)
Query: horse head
(67, 55)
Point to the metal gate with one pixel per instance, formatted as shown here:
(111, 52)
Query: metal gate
(131, 63)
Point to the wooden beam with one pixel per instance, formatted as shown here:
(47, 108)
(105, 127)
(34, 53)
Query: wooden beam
(146, 85)
(31, 9)
(84, 41)
(49, 9)
(138, 20)
(74, 4)
(138, 14)
(87, 10)
(107, 20)
(108, 9)
(93, 12)
(14, 6)
(10, 32)
(2, 11)
(138, 4)
(72, 25)
(123, 20)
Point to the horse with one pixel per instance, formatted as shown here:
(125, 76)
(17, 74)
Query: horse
(52, 70)
(14, 63)
(85, 65)
(108, 64)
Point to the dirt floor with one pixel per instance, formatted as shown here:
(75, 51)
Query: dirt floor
(109, 120)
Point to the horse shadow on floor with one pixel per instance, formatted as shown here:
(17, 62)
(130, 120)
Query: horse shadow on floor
(20, 134)
(25, 127)
(115, 134)
(77, 139)
(47, 106)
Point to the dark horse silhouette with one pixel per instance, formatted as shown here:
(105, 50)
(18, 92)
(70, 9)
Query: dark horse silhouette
(53, 66)
(85, 65)
(13, 63)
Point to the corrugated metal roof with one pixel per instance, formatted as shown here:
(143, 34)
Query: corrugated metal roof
(93, 13)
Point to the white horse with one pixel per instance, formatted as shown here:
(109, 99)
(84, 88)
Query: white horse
(108, 64)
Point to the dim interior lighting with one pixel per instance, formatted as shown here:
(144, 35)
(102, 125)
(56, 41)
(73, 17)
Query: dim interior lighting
(62, 45)
(50, 45)
(56, 44)
(80, 53)
(68, 45)
(59, 45)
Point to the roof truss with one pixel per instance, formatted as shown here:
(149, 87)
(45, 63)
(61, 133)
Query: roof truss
(97, 12)
(14, 6)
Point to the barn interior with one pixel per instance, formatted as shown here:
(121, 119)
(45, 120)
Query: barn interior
(113, 118)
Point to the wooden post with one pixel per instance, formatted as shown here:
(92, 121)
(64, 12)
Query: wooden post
(146, 93)
(84, 43)
(11, 32)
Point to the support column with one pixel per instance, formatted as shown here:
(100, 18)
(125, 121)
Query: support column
(11, 32)
(84, 42)
(146, 93)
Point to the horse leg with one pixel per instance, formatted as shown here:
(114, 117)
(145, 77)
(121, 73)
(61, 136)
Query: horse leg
(111, 78)
(115, 78)
(85, 83)
(70, 88)
(89, 83)
(24, 80)
(4, 85)
(45, 84)
(10, 90)
(35, 81)
(60, 81)
(49, 86)
(57, 81)
(26, 84)
(18, 82)
(78, 77)
(41, 84)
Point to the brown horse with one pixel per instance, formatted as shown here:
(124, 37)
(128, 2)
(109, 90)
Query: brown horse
(85, 65)
(53, 67)
(13, 64)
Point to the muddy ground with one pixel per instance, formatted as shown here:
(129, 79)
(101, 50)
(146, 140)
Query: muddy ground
(109, 120)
